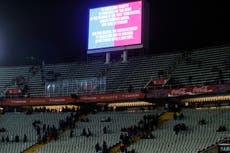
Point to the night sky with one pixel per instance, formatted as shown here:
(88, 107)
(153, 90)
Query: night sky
(56, 31)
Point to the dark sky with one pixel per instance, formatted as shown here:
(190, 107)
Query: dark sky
(56, 31)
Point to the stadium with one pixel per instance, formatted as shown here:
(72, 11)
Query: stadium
(120, 98)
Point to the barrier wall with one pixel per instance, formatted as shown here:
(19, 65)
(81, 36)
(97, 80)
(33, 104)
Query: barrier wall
(196, 90)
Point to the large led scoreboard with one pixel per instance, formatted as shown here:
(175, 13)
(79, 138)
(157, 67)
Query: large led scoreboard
(114, 27)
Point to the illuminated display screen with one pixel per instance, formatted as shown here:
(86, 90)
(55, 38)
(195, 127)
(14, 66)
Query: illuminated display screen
(115, 26)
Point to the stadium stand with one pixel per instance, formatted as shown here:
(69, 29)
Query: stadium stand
(85, 144)
(196, 138)
(118, 75)
(20, 124)
(204, 66)
(9, 74)
(212, 65)
(190, 68)
(140, 70)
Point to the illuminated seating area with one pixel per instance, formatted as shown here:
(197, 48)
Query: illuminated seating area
(87, 144)
(165, 141)
(197, 137)
(20, 124)
(204, 67)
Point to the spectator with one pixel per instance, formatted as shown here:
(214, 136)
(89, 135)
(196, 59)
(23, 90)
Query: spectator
(221, 129)
(202, 122)
(104, 119)
(181, 116)
(175, 116)
(44, 138)
(180, 127)
(121, 136)
(2, 130)
(71, 133)
(122, 147)
(3, 139)
(176, 129)
(39, 139)
(89, 133)
(44, 128)
(25, 139)
(38, 130)
(97, 147)
(16, 138)
(7, 139)
(105, 130)
(105, 148)
(151, 136)
(84, 132)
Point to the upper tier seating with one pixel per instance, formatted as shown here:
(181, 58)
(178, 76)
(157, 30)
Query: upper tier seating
(137, 72)
(201, 65)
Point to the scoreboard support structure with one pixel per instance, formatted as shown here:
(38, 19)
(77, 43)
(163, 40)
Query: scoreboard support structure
(125, 56)
(107, 58)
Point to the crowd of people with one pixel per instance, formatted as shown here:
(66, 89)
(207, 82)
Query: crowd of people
(128, 135)
(86, 133)
(102, 149)
(12, 138)
(45, 133)
(180, 127)
(15, 138)
(221, 128)
(178, 116)
(2, 130)
(44, 109)
(202, 122)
